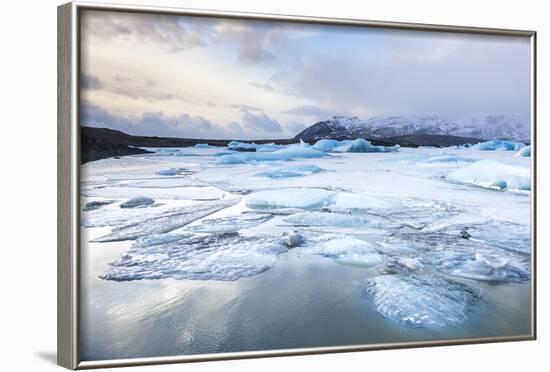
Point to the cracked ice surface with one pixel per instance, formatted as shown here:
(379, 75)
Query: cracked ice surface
(225, 257)
(421, 301)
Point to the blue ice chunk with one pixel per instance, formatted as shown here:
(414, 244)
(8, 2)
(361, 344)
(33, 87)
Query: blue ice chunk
(421, 301)
(499, 145)
(284, 154)
(526, 151)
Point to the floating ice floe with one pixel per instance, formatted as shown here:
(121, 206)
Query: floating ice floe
(169, 172)
(492, 251)
(289, 198)
(224, 257)
(138, 201)
(493, 175)
(292, 171)
(448, 159)
(166, 222)
(338, 219)
(348, 200)
(284, 154)
(205, 146)
(526, 152)
(230, 223)
(156, 239)
(421, 301)
(501, 145)
(346, 250)
(168, 151)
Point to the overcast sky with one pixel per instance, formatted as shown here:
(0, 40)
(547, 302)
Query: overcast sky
(213, 78)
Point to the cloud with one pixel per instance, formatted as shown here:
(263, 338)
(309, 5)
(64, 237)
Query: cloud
(245, 107)
(90, 82)
(468, 75)
(260, 122)
(157, 124)
(311, 111)
(173, 33)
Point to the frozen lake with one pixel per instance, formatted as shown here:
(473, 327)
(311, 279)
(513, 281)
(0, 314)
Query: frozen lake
(205, 250)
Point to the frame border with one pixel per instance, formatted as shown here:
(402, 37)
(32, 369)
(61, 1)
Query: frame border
(68, 181)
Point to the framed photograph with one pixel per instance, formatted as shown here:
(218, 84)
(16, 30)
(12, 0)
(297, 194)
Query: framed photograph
(235, 185)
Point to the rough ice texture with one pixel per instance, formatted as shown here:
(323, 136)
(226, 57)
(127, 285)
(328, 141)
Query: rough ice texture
(156, 239)
(337, 219)
(493, 175)
(490, 251)
(362, 145)
(230, 223)
(240, 146)
(289, 198)
(347, 250)
(348, 200)
(288, 153)
(421, 301)
(291, 171)
(164, 223)
(138, 201)
(327, 145)
(526, 152)
(499, 145)
(224, 257)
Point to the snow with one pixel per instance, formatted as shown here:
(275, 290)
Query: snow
(223, 257)
(348, 200)
(289, 198)
(138, 201)
(448, 159)
(421, 301)
(495, 145)
(493, 175)
(292, 171)
(335, 219)
(526, 152)
(229, 223)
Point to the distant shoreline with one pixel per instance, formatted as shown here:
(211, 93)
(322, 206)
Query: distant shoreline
(102, 143)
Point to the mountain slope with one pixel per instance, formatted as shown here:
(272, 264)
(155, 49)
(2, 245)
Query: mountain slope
(489, 127)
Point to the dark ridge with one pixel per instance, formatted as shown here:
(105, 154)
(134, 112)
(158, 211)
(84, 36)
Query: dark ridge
(437, 140)
(101, 143)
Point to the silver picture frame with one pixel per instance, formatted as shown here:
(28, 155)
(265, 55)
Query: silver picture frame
(68, 189)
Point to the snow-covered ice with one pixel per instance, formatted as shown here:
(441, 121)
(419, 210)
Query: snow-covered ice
(493, 175)
(289, 198)
(291, 171)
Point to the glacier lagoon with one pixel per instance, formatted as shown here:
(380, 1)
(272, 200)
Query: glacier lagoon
(302, 246)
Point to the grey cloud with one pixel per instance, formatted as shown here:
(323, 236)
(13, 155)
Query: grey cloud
(90, 82)
(311, 111)
(157, 124)
(245, 107)
(264, 86)
(444, 76)
(260, 122)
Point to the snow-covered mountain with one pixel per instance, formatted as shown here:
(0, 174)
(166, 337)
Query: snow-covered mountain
(487, 127)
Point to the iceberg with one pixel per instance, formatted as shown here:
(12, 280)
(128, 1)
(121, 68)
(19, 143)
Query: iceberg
(362, 145)
(293, 171)
(245, 146)
(501, 145)
(138, 201)
(284, 154)
(289, 198)
(205, 146)
(493, 175)
(421, 301)
(346, 250)
(223, 257)
(525, 152)
(327, 145)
